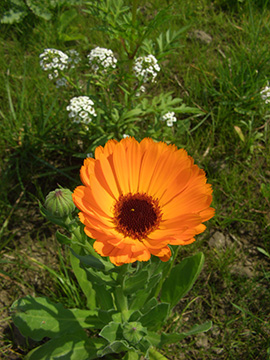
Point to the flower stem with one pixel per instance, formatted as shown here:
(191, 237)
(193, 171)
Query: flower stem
(166, 274)
(134, 11)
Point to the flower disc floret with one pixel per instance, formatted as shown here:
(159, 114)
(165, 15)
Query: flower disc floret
(140, 197)
(136, 215)
(81, 109)
(146, 68)
(169, 118)
(101, 59)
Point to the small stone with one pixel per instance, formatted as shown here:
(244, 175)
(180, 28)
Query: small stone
(202, 341)
(243, 271)
(201, 36)
(218, 241)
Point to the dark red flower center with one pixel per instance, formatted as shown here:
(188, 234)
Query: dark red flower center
(136, 215)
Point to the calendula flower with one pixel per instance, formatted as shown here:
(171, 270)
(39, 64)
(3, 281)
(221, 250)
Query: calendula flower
(138, 198)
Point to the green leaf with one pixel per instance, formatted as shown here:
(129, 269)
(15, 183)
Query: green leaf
(39, 318)
(131, 355)
(115, 347)
(155, 355)
(153, 338)
(149, 305)
(138, 300)
(81, 276)
(134, 113)
(181, 279)
(173, 338)
(112, 331)
(265, 190)
(132, 283)
(264, 252)
(62, 239)
(155, 318)
(120, 299)
(13, 16)
(104, 297)
(67, 347)
(93, 262)
(40, 9)
(65, 19)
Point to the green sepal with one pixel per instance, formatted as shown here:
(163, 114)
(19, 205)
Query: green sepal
(134, 332)
(54, 219)
(181, 279)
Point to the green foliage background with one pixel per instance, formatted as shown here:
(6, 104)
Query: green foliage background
(222, 77)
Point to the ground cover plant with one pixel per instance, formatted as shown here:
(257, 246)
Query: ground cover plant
(210, 67)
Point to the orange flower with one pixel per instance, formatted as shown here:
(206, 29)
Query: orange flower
(138, 198)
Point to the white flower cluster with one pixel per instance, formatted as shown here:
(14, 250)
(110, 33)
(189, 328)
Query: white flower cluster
(101, 58)
(265, 93)
(53, 60)
(61, 82)
(170, 118)
(146, 68)
(73, 58)
(81, 109)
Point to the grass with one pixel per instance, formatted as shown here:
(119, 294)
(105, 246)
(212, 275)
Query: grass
(223, 78)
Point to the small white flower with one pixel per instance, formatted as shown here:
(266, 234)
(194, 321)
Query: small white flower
(101, 59)
(81, 109)
(146, 68)
(140, 91)
(61, 82)
(265, 94)
(169, 118)
(125, 136)
(73, 58)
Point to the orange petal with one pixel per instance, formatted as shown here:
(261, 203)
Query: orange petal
(84, 200)
(87, 171)
(121, 168)
(106, 177)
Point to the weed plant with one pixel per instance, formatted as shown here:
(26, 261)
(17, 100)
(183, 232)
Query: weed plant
(221, 76)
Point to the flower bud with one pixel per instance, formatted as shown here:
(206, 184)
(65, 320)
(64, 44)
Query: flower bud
(59, 203)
